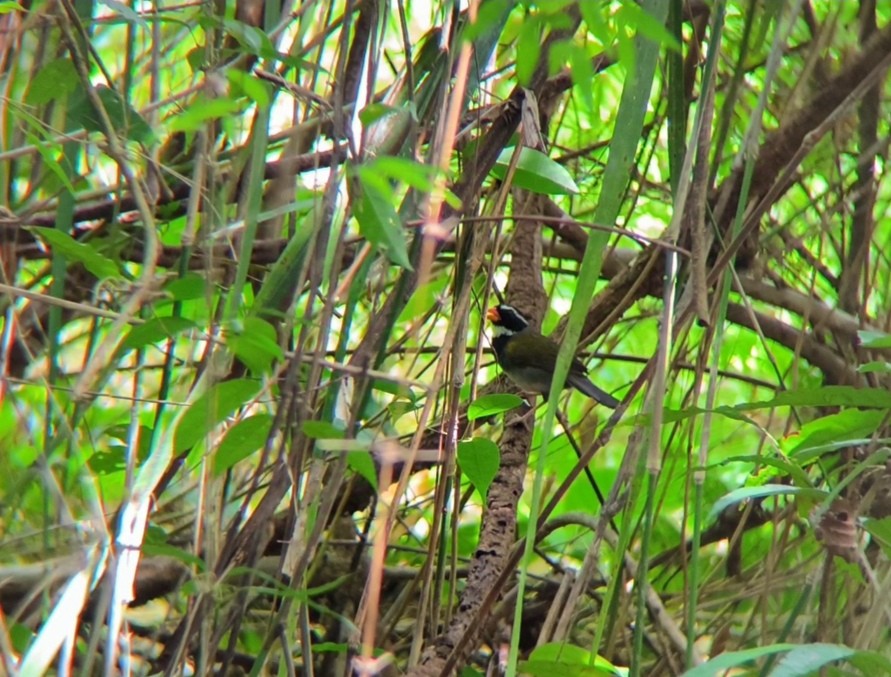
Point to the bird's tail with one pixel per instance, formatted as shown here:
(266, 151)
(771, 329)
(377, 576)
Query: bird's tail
(582, 384)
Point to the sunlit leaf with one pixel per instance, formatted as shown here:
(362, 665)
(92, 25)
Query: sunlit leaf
(107, 462)
(764, 491)
(492, 405)
(250, 85)
(642, 22)
(582, 71)
(850, 426)
(561, 659)
(241, 440)
(877, 340)
(718, 665)
(210, 409)
(253, 39)
(807, 659)
(322, 430)
(592, 13)
(875, 368)
(379, 222)
(54, 159)
(393, 388)
(528, 49)
(201, 111)
(555, 668)
(880, 530)
(362, 464)
(828, 396)
(253, 340)
(155, 330)
(479, 459)
(490, 15)
(536, 172)
(189, 286)
(414, 174)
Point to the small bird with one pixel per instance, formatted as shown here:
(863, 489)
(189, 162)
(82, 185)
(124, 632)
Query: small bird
(529, 358)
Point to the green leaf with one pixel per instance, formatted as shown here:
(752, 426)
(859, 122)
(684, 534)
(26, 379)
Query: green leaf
(555, 11)
(189, 286)
(415, 174)
(828, 396)
(880, 530)
(108, 462)
(489, 16)
(361, 463)
(748, 493)
(55, 80)
(253, 341)
(874, 339)
(201, 111)
(279, 282)
(558, 659)
(8, 6)
(596, 22)
(479, 459)
(80, 252)
(528, 49)
(122, 115)
(582, 71)
(645, 24)
(156, 330)
(468, 671)
(378, 221)
(875, 367)
(393, 388)
(210, 409)
(156, 549)
(803, 659)
(53, 158)
(322, 430)
(536, 172)
(808, 659)
(871, 662)
(253, 39)
(828, 433)
(380, 173)
(544, 668)
(719, 664)
(561, 651)
(250, 86)
(241, 440)
(195, 58)
(492, 405)
(793, 470)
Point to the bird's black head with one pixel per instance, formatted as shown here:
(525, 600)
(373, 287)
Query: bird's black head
(507, 319)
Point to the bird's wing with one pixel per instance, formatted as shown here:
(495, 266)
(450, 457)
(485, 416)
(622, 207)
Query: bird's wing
(545, 351)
